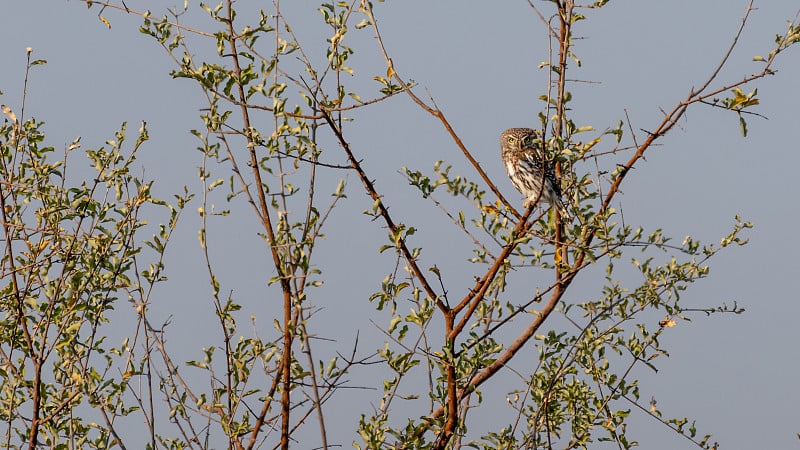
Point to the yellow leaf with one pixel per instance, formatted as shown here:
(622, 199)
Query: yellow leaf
(667, 322)
(105, 21)
(588, 146)
(390, 71)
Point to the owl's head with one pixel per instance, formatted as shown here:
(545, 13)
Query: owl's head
(516, 139)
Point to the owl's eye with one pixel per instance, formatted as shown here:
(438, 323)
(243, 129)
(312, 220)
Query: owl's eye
(512, 140)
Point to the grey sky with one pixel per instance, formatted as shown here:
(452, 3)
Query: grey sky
(737, 375)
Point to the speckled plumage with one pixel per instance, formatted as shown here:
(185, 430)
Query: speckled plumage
(521, 150)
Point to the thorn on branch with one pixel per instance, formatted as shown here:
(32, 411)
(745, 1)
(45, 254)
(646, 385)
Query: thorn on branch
(650, 133)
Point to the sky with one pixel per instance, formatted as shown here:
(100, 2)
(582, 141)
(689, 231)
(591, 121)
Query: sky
(735, 374)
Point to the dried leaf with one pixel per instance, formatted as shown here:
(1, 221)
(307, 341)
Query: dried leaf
(667, 322)
(8, 112)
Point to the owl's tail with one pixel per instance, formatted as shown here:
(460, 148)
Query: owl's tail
(563, 212)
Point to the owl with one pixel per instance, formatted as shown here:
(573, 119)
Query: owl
(532, 175)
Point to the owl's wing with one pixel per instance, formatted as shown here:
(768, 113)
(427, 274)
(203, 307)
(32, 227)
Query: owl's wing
(534, 162)
(532, 159)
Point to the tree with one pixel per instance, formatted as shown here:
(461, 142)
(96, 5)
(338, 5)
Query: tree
(276, 132)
